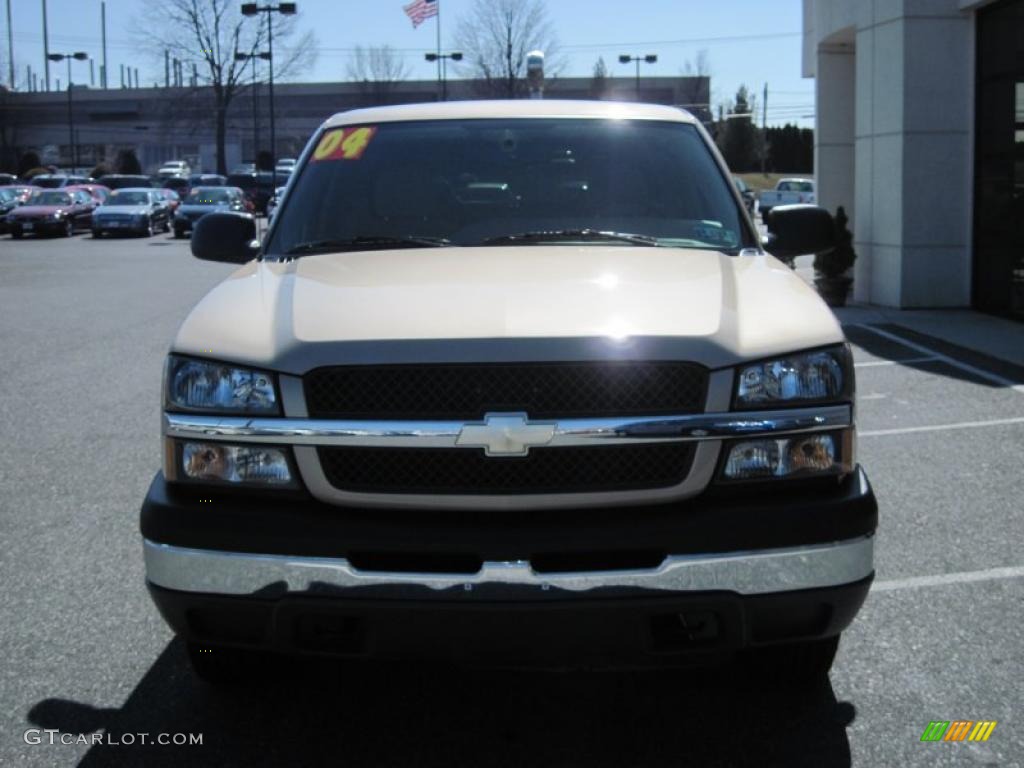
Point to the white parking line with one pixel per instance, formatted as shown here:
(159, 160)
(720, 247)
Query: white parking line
(993, 377)
(940, 427)
(963, 577)
(908, 361)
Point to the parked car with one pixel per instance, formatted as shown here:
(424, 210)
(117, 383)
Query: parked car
(609, 430)
(244, 168)
(22, 191)
(180, 184)
(99, 192)
(9, 200)
(204, 200)
(174, 168)
(126, 181)
(274, 201)
(258, 187)
(52, 212)
(787, 192)
(56, 180)
(285, 165)
(139, 211)
(206, 180)
(171, 198)
(746, 193)
(7, 179)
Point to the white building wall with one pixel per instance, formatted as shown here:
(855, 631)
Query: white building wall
(910, 73)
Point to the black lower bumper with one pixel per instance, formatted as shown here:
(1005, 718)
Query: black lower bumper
(498, 623)
(640, 630)
(572, 539)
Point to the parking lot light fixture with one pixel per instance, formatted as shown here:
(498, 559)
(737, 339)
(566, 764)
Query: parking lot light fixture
(650, 58)
(77, 56)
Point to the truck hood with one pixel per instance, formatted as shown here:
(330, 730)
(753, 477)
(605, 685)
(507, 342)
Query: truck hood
(508, 303)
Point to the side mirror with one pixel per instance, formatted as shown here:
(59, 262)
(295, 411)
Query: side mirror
(797, 230)
(227, 237)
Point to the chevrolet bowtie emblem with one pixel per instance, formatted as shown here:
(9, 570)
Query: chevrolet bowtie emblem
(505, 434)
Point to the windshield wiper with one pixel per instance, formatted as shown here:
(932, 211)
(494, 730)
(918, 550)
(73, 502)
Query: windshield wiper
(368, 242)
(571, 234)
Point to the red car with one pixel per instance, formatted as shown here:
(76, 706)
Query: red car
(98, 192)
(22, 191)
(172, 198)
(52, 211)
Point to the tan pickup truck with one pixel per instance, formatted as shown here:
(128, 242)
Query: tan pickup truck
(510, 383)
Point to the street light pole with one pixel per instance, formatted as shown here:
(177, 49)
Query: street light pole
(286, 9)
(254, 57)
(72, 144)
(442, 67)
(650, 58)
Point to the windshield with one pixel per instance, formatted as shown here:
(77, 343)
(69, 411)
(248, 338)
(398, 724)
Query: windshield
(795, 186)
(50, 198)
(127, 197)
(208, 196)
(476, 181)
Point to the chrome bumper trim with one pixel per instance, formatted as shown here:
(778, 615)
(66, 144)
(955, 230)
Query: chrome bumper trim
(749, 572)
(566, 432)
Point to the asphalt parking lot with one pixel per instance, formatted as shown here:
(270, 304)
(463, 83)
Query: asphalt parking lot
(84, 327)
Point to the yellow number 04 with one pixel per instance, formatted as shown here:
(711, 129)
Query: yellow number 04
(354, 144)
(328, 144)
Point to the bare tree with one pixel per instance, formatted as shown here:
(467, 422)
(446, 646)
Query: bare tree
(495, 38)
(599, 85)
(377, 69)
(208, 33)
(700, 66)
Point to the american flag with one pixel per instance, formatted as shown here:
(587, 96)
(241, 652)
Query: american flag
(420, 10)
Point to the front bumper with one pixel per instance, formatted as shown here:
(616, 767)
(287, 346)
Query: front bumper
(639, 586)
(48, 227)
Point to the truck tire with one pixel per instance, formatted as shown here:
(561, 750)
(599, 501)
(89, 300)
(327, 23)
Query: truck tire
(792, 663)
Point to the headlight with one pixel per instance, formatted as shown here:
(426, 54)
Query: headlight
(820, 453)
(202, 385)
(235, 464)
(56, 216)
(821, 376)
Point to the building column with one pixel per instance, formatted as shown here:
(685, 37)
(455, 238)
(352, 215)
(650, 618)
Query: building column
(834, 137)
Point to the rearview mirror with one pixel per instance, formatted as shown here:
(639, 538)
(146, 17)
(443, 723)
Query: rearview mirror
(799, 230)
(225, 236)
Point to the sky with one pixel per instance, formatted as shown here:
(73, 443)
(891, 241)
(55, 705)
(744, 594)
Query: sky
(749, 42)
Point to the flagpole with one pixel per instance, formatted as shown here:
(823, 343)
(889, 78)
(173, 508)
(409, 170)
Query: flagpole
(440, 80)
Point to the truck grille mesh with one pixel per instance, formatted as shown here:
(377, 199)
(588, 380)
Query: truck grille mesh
(541, 390)
(470, 471)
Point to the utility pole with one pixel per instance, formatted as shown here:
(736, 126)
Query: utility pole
(764, 130)
(10, 44)
(46, 47)
(103, 33)
(167, 68)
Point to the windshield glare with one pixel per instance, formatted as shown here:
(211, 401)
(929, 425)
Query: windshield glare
(128, 198)
(50, 198)
(470, 181)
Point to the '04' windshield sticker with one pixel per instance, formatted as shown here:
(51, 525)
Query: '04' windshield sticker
(344, 143)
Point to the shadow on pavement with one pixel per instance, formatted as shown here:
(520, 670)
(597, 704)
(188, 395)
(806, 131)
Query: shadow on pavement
(311, 712)
(890, 349)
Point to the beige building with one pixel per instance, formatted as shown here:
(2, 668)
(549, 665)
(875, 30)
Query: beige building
(920, 134)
